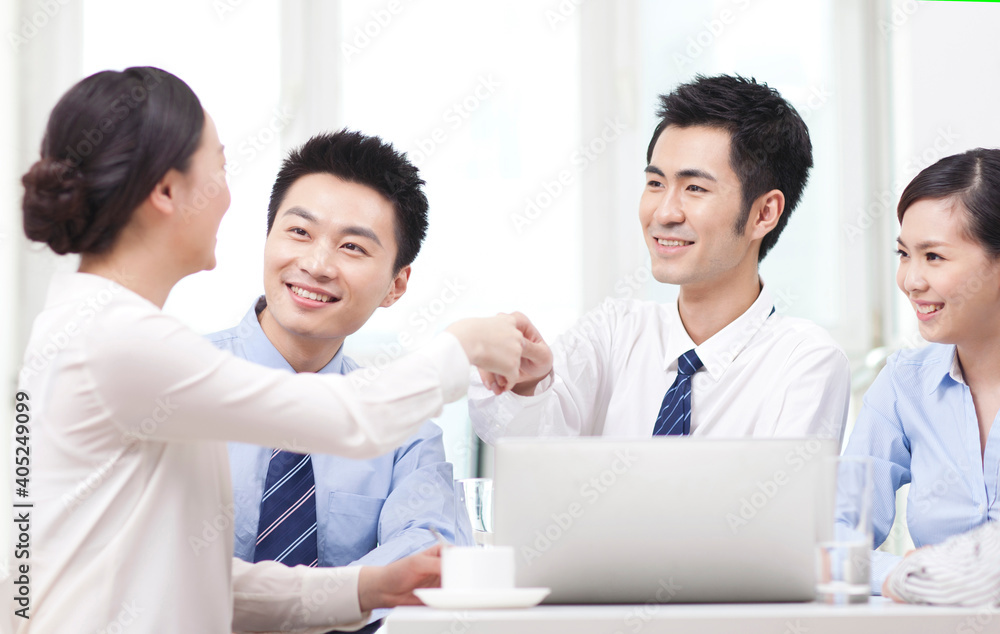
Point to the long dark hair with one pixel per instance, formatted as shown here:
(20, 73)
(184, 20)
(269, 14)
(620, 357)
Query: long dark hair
(108, 141)
(973, 178)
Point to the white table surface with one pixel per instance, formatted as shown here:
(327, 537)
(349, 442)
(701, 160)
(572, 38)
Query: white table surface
(877, 617)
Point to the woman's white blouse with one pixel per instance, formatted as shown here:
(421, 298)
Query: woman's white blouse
(133, 510)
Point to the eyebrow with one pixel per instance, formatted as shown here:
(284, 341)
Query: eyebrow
(363, 232)
(350, 230)
(685, 173)
(923, 246)
(305, 214)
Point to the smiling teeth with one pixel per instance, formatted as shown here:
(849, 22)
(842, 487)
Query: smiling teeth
(673, 243)
(929, 308)
(316, 297)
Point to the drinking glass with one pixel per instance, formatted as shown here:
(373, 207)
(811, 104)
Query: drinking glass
(844, 544)
(475, 495)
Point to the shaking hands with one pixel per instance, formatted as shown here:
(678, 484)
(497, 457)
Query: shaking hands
(508, 350)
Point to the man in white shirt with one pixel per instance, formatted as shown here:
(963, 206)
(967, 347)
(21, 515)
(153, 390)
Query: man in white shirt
(726, 167)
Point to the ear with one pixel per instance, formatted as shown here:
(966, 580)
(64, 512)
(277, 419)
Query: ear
(162, 198)
(397, 288)
(765, 214)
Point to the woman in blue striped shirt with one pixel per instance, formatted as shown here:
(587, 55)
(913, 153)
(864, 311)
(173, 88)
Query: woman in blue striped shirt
(927, 420)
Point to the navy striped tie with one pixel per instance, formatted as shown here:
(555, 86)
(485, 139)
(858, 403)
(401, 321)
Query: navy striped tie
(286, 531)
(674, 418)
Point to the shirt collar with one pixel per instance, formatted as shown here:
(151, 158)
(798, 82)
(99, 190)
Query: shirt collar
(719, 350)
(93, 290)
(944, 366)
(263, 352)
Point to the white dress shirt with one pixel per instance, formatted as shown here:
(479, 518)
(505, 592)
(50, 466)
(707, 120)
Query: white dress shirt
(764, 375)
(132, 521)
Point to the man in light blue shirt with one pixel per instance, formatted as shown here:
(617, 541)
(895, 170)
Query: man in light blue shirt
(346, 219)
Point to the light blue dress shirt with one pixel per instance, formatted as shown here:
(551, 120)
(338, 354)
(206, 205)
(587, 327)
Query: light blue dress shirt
(919, 424)
(369, 512)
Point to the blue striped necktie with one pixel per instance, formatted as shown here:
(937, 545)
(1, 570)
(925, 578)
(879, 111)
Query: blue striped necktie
(674, 418)
(286, 531)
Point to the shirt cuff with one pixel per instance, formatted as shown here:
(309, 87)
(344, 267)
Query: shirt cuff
(271, 597)
(444, 353)
(882, 565)
(339, 589)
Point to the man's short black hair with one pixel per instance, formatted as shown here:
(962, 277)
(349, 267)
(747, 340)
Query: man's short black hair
(365, 160)
(769, 142)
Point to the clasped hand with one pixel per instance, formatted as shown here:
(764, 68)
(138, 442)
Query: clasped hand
(508, 350)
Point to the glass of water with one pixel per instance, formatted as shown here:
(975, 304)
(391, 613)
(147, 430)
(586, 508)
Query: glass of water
(844, 544)
(475, 495)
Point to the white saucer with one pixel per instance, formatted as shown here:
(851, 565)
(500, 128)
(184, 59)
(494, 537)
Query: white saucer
(481, 599)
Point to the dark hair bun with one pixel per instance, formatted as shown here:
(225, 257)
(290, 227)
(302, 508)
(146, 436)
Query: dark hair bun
(54, 206)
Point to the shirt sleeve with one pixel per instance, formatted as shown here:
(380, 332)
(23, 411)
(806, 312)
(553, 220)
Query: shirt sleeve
(963, 570)
(878, 433)
(815, 393)
(180, 388)
(272, 597)
(422, 497)
(568, 402)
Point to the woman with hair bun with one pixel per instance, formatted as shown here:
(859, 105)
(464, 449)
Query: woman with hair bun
(131, 523)
(929, 419)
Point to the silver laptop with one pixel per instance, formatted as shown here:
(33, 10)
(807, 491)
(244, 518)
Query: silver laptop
(667, 519)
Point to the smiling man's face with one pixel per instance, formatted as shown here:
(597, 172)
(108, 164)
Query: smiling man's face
(328, 261)
(690, 206)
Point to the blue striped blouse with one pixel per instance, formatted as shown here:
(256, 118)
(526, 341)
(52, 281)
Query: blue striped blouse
(919, 424)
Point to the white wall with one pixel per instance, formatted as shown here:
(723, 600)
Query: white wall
(946, 97)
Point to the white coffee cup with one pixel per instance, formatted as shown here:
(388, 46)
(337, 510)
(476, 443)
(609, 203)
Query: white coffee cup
(473, 568)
